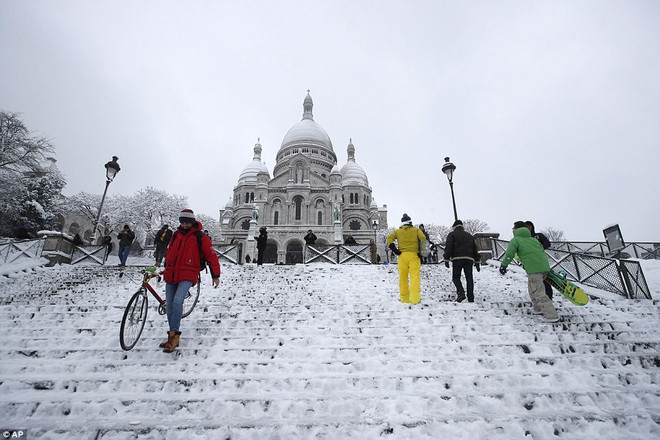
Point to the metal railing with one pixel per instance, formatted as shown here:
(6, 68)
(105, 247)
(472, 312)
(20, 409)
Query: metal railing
(12, 251)
(337, 254)
(91, 254)
(624, 277)
(229, 253)
(644, 250)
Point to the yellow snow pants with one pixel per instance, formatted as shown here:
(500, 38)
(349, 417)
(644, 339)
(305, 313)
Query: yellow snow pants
(409, 265)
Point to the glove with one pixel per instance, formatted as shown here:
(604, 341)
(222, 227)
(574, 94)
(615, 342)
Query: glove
(477, 266)
(447, 264)
(502, 270)
(394, 249)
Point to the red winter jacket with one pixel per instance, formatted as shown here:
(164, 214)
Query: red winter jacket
(182, 259)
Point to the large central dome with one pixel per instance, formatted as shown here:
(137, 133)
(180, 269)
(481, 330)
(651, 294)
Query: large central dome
(307, 131)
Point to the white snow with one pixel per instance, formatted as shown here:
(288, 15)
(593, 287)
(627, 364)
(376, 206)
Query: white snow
(326, 352)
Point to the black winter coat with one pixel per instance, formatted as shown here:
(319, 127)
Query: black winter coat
(262, 240)
(461, 246)
(310, 238)
(160, 238)
(543, 239)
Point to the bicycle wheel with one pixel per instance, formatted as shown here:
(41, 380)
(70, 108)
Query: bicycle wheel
(191, 298)
(133, 321)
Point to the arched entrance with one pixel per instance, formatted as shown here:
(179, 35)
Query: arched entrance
(294, 252)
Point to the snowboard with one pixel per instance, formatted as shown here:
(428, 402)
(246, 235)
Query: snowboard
(572, 292)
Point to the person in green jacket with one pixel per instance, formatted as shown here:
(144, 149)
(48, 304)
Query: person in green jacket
(408, 238)
(535, 262)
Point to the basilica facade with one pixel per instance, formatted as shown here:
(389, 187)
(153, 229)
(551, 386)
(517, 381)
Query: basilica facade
(307, 190)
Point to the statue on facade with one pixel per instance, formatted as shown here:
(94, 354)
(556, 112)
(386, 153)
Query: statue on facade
(299, 174)
(335, 212)
(255, 212)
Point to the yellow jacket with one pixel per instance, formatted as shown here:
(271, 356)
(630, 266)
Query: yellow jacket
(408, 238)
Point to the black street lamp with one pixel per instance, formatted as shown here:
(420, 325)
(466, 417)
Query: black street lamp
(375, 228)
(448, 168)
(111, 170)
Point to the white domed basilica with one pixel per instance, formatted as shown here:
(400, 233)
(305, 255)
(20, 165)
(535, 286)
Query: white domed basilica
(308, 190)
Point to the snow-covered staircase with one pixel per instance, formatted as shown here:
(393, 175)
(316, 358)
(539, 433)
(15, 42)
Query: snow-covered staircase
(325, 352)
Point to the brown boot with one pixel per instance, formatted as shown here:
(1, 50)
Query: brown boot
(170, 335)
(172, 343)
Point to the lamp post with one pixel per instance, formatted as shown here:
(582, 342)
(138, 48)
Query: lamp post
(375, 228)
(448, 168)
(111, 170)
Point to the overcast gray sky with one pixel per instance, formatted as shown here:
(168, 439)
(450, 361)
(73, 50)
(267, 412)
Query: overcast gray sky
(550, 110)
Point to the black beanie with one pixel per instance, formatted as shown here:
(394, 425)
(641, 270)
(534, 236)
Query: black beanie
(406, 219)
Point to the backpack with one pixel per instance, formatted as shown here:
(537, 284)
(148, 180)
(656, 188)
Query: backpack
(202, 259)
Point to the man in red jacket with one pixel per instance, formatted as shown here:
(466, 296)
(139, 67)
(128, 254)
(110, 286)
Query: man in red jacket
(182, 268)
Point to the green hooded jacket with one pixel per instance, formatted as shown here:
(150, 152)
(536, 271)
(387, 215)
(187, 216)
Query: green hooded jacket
(529, 251)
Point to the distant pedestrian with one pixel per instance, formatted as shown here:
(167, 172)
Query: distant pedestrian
(434, 253)
(77, 240)
(545, 242)
(126, 237)
(182, 267)
(310, 237)
(25, 232)
(535, 263)
(408, 238)
(162, 239)
(424, 248)
(461, 249)
(373, 248)
(262, 241)
(107, 242)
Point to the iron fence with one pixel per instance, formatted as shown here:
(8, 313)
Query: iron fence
(90, 255)
(229, 253)
(644, 250)
(338, 254)
(16, 250)
(624, 277)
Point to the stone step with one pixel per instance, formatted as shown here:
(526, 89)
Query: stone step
(417, 380)
(282, 353)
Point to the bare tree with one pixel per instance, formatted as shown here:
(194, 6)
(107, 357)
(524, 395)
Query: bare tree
(437, 233)
(473, 225)
(553, 234)
(19, 150)
(212, 225)
(31, 183)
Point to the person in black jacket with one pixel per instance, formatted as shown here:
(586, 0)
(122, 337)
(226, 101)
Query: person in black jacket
(545, 242)
(162, 239)
(262, 240)
(461, 249)
(310, 238)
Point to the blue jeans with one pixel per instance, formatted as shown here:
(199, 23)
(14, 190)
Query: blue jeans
(175, 293)
(123, 254)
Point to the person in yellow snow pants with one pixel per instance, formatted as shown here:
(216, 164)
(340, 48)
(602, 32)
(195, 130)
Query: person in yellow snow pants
(409, 284)
(408, 238)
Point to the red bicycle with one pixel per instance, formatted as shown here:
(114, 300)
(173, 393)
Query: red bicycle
(135, 314)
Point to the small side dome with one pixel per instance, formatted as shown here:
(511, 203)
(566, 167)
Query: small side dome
(335, 170)
(251, 170)
(352, 173)
(229, 205)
